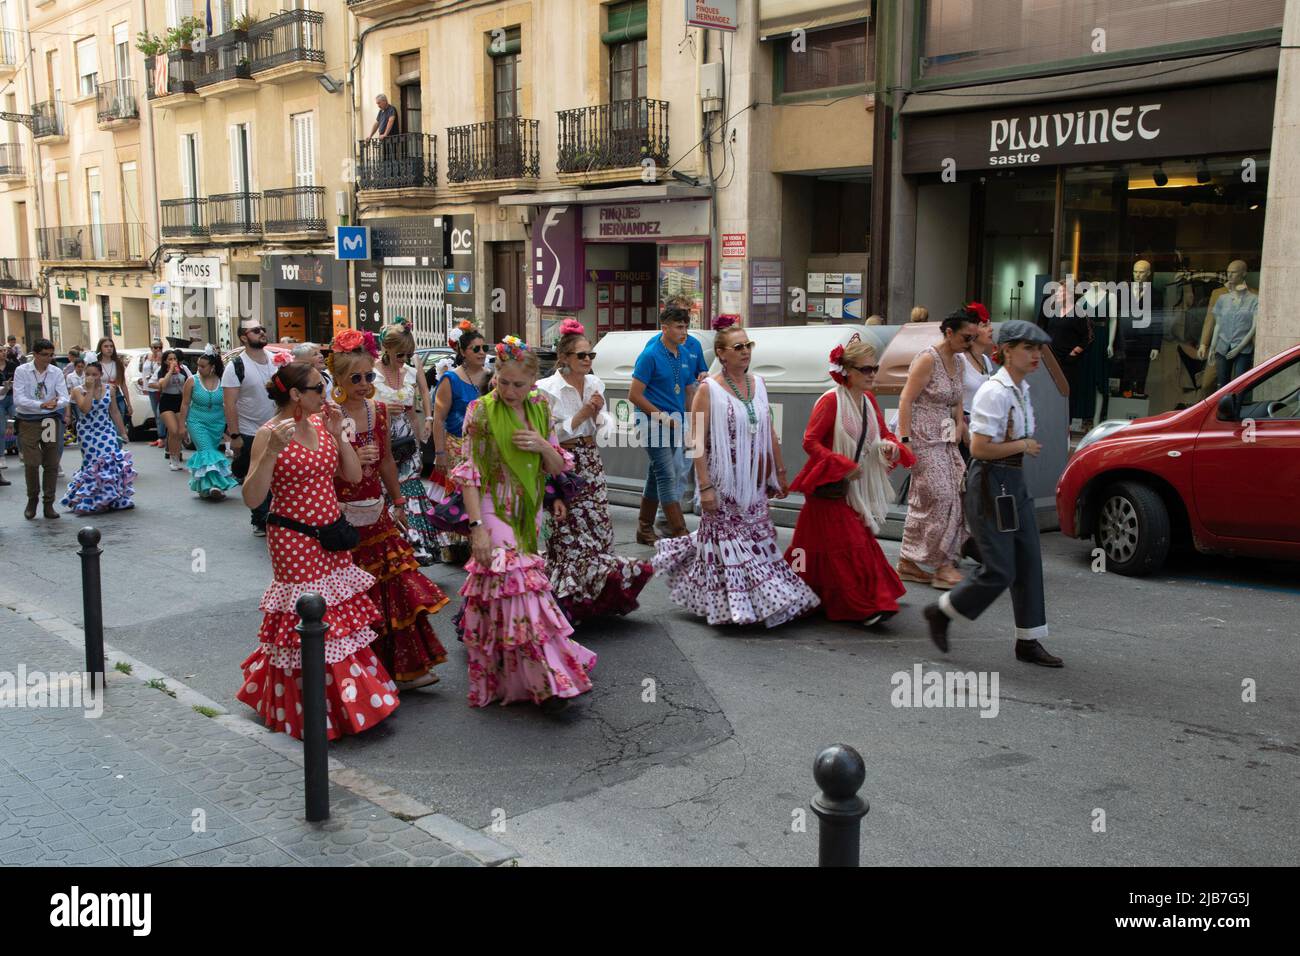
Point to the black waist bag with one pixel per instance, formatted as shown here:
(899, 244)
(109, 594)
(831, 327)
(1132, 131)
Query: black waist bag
(339, 535)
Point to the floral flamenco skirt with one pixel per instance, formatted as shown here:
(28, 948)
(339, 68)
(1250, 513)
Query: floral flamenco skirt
(516, 636)
(730, 570)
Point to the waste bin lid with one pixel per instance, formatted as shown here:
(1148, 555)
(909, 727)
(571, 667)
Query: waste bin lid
(617, 352)
(796, 358)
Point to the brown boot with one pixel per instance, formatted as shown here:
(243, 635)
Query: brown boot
(645, 523)
(673, 512)
(30, 512)
(49, 510)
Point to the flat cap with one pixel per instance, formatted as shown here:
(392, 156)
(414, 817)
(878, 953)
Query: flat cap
(1018, 330)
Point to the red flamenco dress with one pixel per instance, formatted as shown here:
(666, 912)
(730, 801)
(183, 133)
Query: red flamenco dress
(358, 690)
(407, 646)
(840, 557)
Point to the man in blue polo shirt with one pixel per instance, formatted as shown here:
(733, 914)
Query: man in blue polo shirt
(662, 381)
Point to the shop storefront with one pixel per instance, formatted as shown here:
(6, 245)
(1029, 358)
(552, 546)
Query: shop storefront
(404, 278)
(305, 298)
(1150, 198)
(615, 265)
(22, 317)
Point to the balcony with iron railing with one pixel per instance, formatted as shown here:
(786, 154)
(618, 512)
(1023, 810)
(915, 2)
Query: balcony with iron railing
(613, 138)
(120, 242)
(295, 211)
(226, 66)
(235, 215)
(17, 274)
(288, 45)
(10, 51)
(374, 9)
(48, 123)
(184, 219)
(116, 105)
(403, 161)
(13, 167)
(182, 73)
(500, 151)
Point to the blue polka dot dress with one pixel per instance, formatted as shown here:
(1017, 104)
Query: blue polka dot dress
(104, 480)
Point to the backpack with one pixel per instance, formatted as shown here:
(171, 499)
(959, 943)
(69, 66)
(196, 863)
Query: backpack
(239, 368)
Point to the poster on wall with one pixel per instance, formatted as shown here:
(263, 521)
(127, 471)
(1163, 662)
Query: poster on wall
(766, 295)
(117, 323)
(853, 283)
(291, 321)
(370, 316)
(681, 278)
(731, 280)
(339, 316)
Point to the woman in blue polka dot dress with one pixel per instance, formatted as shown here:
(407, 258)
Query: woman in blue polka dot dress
(104, 480)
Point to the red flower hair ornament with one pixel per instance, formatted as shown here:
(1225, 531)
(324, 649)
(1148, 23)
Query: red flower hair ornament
(572, 326)
(981, 312)
(725, 322)
(837, 360)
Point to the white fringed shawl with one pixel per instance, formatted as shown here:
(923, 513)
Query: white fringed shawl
(741, 479)
(869, 492)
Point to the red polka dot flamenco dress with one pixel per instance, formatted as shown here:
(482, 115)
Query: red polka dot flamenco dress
(359, 692)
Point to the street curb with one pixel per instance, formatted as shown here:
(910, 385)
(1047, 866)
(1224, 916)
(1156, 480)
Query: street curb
(464, 838)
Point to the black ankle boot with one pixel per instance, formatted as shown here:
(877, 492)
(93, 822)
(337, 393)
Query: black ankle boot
(1031, 652)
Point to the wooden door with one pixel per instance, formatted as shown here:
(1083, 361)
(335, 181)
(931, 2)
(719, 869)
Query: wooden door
(508, 265)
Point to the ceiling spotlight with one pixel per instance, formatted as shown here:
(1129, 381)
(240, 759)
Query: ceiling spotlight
(331, 85)
(1160, 177)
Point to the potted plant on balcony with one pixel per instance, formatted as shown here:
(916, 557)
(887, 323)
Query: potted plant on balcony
(241, 25)
(150, 44)
(181, 37)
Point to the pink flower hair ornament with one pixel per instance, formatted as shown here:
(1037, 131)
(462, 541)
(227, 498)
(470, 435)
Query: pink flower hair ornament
(725, 322)
(511, 348)
(572, 326)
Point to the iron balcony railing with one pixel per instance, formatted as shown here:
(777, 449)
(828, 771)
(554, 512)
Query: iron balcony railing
(295, 209)
(406, 159)
(97, 241)
(47, 119)
(10, 45)
(235, 214)
(182, 73)
(11, 160)
(184, 218)
(497, 149)
(116, 100)
(290, 36)
(16, 273)
(613, 135)
(229, 56)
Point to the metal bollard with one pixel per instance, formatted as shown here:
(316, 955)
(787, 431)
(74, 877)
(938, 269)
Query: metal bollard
(311, 633)
(92, 604)
(839, 771)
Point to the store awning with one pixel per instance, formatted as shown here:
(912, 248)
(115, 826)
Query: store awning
(1164, 74)
(561, 197)
(627, 21)
(777, 18)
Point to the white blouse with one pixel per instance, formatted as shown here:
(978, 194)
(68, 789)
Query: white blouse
(999, 401)
(565, 402)
(971, 380)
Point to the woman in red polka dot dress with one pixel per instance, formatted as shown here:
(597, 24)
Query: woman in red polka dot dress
(295, 457)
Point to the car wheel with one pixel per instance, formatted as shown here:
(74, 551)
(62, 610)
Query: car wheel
(1132, 529)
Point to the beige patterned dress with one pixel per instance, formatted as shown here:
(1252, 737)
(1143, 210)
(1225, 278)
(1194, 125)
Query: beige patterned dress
(934, 530)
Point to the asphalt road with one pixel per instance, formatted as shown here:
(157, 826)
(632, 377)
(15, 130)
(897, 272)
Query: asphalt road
(1146, 723)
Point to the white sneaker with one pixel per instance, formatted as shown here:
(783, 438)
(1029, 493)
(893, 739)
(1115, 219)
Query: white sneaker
(174, 466)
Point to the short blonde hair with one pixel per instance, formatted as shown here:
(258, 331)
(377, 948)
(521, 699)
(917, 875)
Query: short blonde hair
(396, 336)
(919, 314)
(342, 363)
(720, 336)
(857, 352)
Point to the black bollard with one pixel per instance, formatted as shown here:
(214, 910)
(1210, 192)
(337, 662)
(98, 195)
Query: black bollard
(311, 637)
(92, 604)
(839, 772)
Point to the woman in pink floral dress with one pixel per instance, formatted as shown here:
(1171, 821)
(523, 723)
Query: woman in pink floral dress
(515, 635)
(931, 424)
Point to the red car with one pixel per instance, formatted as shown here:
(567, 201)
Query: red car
(1222, 475)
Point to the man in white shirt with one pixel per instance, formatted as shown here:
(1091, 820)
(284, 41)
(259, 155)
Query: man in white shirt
(40, 397)
(999, 508)
(248, 407)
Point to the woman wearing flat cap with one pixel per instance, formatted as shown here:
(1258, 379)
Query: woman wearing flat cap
(999, 508)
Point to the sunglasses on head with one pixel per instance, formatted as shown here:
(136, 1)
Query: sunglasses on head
(583, 356)
(866, 369)
(742, 346)
(359, 377)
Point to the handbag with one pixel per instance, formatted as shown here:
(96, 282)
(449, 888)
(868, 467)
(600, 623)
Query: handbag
(404, 448)
(338, 535)
(840, 489)
(362, 513)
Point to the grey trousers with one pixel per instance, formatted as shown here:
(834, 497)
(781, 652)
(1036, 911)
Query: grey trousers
(1010, 559)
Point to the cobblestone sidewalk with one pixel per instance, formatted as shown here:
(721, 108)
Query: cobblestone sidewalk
(153, 782)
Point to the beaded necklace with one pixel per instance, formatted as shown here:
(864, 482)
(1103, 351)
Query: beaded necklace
(747, 402)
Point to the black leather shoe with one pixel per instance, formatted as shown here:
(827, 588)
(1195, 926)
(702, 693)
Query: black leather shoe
(938, 622)
(1031, 652)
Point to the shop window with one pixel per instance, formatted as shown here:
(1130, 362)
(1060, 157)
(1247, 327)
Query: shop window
(841, 218)
(825, 59)
(961, 37)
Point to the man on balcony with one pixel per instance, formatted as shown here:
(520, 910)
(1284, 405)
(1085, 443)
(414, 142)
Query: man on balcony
(386, 122)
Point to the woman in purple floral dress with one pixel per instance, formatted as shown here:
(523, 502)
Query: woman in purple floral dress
(730, 570)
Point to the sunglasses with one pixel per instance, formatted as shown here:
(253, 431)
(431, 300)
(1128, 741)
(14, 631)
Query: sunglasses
(255, 329)
(866, 369)
(741, 346)
(583, 356)
(970, 337)
(476, 348)
(359, 377)
(403, 355)
(318, 388)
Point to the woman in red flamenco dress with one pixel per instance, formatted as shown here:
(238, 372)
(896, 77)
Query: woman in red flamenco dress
(834, 548)
(407, 646)
(295, 456)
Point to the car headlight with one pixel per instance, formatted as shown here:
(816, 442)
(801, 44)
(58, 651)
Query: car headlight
(1101, 431)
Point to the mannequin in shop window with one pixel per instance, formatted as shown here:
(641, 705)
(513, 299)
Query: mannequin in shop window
(1140, 334)
(1228, 336)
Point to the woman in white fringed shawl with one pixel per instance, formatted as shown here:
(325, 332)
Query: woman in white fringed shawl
(846, 493)
(730, 570)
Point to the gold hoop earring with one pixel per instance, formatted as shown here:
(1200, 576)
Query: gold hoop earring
(338, 394)
(370, 390)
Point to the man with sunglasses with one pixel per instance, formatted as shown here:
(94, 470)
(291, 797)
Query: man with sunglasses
(247, 405)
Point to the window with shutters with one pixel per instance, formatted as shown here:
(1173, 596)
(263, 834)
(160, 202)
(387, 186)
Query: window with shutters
(505, 77)
(122, 51)
(241, 159)
(189, 165)
(304, 149)
(63, 196)
(825, 59)
(409, 93)
(131, 206)
(87, 67)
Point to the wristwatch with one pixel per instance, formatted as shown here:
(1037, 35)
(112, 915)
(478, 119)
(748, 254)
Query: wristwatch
(905, 439)
(476, 524)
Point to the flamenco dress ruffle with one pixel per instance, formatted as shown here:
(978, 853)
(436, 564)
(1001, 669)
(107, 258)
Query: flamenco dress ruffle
(209, 472)
(837, 556)
(105, 482)
(358, 690)
(730, 569)
(516, 636)
(406, 644)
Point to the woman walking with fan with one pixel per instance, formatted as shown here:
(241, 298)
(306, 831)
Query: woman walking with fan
(846, 493)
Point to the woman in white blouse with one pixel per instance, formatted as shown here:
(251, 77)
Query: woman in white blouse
(587, 578)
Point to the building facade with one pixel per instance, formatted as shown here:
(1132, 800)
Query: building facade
(1042, 147)
(252, 132)
(20, 285)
